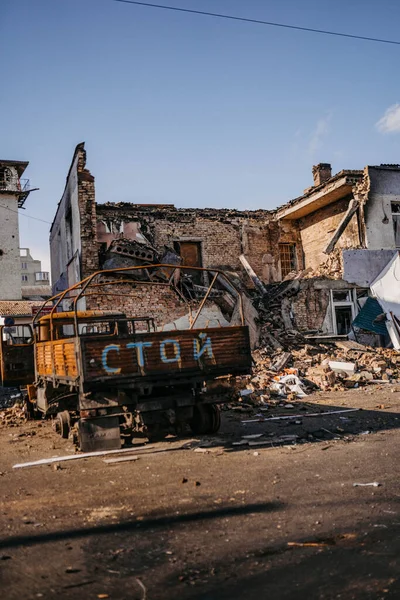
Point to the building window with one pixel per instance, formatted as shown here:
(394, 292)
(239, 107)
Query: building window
(41, 276)
(344, 310)
(24, 266)
(24, 277)
(396, 222)
(287, 255)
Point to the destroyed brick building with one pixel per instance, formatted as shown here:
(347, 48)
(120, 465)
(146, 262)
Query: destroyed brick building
(317, 255)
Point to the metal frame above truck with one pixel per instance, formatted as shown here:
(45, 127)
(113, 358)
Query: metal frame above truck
(103, 373)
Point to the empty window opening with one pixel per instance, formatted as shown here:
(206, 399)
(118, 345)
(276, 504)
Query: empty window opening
(344, 319)
(287, 255)
(344, 310)
(396, 222)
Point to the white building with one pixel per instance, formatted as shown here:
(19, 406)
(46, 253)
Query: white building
(13, 193)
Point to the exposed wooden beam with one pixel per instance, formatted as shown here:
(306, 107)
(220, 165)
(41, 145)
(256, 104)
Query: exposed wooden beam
(352, 208)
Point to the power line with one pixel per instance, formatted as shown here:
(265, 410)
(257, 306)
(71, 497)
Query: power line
(258, 22)
(23, 215)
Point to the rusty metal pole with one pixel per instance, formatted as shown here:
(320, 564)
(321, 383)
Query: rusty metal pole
(203, 301)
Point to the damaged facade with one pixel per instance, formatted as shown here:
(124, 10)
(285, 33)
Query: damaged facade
(13, 193)
(317, 255)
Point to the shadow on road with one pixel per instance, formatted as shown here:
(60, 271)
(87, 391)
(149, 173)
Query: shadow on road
(146, 524)
(344, 423)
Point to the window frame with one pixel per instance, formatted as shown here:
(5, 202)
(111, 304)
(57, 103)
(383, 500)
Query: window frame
(396, 223)
(292, 259)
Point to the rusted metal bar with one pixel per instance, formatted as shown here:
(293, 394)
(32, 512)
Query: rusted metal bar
(88, 281)
(203, 301)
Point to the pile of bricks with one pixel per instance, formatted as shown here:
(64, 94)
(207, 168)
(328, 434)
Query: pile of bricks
(327, 367)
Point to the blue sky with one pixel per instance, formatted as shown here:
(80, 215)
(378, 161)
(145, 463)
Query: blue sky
(190, 110)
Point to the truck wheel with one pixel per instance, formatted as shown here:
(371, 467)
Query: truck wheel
(62, 424)
(30, 410)
(206, 419)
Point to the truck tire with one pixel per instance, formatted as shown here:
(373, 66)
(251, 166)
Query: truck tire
(63, 424)
(206, 419)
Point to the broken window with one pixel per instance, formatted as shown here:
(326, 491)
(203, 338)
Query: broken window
(6, 177)
(344, 319)
(287, 255)
(342, 295)
(344, 310)
(396, 222)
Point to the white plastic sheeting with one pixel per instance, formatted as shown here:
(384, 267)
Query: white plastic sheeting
(386, 289)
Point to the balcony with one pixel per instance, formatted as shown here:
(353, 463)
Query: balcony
(14, 185)
(42, 276)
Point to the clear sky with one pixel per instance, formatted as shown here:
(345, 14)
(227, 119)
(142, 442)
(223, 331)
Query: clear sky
(191, 110)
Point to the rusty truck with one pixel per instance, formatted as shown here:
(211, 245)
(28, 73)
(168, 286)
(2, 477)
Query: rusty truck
(105, 377)
(16, 354)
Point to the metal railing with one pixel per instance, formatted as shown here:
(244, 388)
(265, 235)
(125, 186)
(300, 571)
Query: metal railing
(19, 185)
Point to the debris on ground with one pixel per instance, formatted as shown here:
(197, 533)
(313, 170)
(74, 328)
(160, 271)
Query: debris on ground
(281, 377)
(372, 484)
(12, 416)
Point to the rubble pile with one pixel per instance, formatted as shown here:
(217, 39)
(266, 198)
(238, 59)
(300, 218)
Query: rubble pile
(332, 267)
(287, 376)
(12, 416)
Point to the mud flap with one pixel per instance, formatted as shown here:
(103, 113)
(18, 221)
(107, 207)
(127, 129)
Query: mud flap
(99, 434)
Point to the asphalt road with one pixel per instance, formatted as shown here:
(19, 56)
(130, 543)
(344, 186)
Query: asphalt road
(231, 522)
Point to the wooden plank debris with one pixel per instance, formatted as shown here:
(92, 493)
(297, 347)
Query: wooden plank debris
(56, 459)
(321, 414)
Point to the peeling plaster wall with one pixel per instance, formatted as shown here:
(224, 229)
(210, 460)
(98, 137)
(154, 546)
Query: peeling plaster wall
(65, 240)
(10, 265)
(384, 188)
(73, 239)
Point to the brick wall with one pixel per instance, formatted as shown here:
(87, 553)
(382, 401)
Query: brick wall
(318, 228)
(224, 234)
(220, 242)
(87, 211)
(309, 306)
(159, 302)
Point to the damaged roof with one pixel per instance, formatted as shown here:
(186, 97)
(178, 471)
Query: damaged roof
(171, 209)
(345, 179)
(20, 165)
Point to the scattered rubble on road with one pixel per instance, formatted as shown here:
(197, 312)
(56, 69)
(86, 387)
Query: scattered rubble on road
(327, 367)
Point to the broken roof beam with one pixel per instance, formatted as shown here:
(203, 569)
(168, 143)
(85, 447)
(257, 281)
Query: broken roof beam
(352, 208)
(257, 282)
(314, 199)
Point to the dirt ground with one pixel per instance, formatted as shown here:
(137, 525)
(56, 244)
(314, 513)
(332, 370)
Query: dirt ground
(216, 522)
